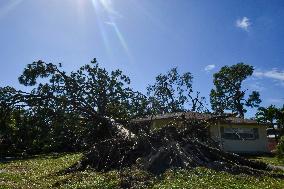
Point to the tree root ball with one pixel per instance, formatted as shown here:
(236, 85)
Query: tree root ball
(167, 148)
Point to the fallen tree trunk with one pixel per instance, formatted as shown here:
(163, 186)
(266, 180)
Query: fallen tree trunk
(167, 148)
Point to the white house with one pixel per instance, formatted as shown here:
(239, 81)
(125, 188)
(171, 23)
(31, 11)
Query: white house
(233, 134)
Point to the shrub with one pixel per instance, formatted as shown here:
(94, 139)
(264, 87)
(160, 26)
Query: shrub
(280, 148)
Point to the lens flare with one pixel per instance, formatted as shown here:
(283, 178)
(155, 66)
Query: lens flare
(106, 6)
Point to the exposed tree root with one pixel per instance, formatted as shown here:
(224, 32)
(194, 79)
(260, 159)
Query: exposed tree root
(167, 148)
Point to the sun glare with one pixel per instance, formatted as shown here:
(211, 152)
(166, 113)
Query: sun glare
(106, 6)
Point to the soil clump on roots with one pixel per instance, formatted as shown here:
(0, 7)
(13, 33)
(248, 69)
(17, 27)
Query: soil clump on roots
(167, 148)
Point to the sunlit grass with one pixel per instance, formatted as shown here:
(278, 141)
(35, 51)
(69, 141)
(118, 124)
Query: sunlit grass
(41, 172)
(37, 172)
(206, 178)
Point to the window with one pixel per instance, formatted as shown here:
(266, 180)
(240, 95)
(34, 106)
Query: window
(239, 133)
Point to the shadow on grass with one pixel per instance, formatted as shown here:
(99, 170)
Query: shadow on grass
(15, 157)
(268, 158)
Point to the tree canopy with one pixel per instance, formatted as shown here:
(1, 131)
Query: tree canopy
(228, 93)
(173, 92)
(75, 109)
(272, 116)
(65, 109)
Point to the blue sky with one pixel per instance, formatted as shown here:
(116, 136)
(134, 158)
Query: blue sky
(148, 37)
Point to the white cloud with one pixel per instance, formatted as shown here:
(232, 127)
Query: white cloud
(209, 67)
(272, 74)
(276, 75)
(243, 23)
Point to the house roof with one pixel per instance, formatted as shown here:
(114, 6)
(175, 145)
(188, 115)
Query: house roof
(198, 116)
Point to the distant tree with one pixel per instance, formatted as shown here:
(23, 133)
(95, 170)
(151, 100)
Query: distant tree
(16, 131)
(272, 116)
(7, 128)
(228, 93)
(280, 120)
(172, 92)
(267, 115)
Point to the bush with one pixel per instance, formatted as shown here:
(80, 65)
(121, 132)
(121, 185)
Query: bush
(280, 148)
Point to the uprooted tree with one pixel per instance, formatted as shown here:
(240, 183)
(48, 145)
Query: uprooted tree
(91, 91)
(168, 148)
(70, 108)
(103, 103)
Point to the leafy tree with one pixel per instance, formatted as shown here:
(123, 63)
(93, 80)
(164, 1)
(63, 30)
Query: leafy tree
(267, 115)
(172, 92)
(228, 93)
(280, 120)
(274, 117)
(73, 109)
(15, 133)
(7, 121)
(139, 105)
(280, 149)
(91, 91)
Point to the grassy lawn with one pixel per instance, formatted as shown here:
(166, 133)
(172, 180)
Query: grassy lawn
(269, 159)
(40, 172)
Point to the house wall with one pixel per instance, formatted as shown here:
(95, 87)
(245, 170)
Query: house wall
(258, 145)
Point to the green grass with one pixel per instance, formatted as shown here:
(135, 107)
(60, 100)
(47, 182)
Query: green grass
(40, 172)
(273, 160)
